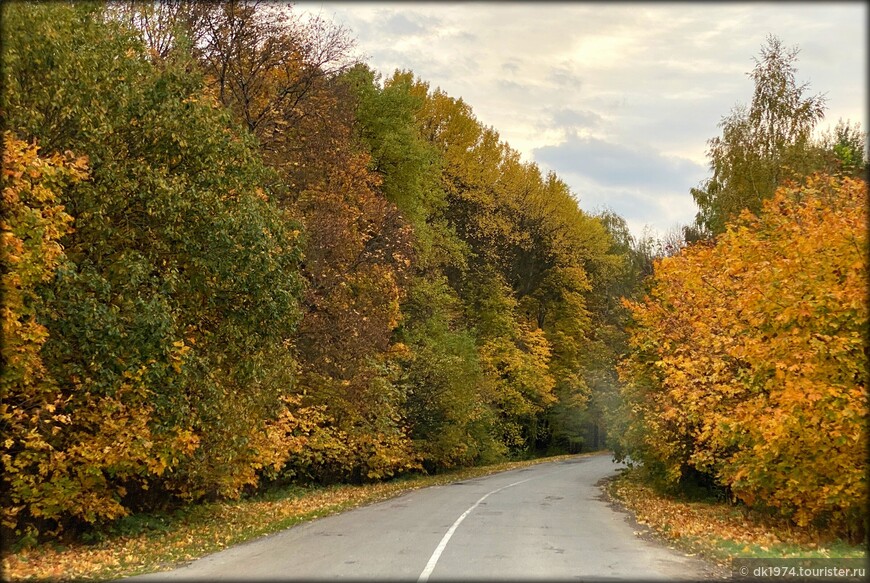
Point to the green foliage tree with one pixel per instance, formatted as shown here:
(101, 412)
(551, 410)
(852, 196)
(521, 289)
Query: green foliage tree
(448, 419)
(535, 260)
(845, 150)
(760, 145)
(169, 323)
(442, 379)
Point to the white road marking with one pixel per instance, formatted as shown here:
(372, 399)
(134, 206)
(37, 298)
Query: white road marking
(433, 560)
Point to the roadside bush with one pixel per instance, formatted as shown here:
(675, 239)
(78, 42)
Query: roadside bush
(749, 361)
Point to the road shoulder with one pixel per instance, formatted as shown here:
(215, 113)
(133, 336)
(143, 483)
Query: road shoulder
(709, 568)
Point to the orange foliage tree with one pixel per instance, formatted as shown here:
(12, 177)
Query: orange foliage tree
(749, 362)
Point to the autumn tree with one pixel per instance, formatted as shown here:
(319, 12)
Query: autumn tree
(165, 27)
(441, 378)
(168, 324)
(277, 74)
(761, 144)
(749, 364)
(844, 149)
(266, 64)
(534, 259)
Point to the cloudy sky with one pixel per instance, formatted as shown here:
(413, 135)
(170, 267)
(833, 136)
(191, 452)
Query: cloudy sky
(619, 99)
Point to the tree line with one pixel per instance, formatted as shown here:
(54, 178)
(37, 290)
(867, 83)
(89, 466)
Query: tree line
(747, 369)
(236, 257)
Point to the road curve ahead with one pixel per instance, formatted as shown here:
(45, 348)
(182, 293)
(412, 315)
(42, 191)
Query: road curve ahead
(542, 522)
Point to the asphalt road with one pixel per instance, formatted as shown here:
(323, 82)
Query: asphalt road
(542, 522)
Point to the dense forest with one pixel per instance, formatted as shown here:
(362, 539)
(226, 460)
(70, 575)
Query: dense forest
(236, 257)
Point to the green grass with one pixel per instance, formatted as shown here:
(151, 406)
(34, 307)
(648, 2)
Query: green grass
(725, 548)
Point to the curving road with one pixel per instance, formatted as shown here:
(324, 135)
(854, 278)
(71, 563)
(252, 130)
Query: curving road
(542, 522)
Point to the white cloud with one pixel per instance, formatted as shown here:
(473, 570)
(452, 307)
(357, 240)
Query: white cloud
(645, 82)
(642, 185)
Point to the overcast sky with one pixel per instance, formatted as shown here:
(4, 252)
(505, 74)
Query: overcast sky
(619, 99)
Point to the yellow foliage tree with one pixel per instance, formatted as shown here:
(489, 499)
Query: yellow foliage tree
(748, 360)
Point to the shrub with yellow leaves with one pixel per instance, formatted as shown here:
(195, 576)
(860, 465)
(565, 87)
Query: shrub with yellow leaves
(749, 361)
